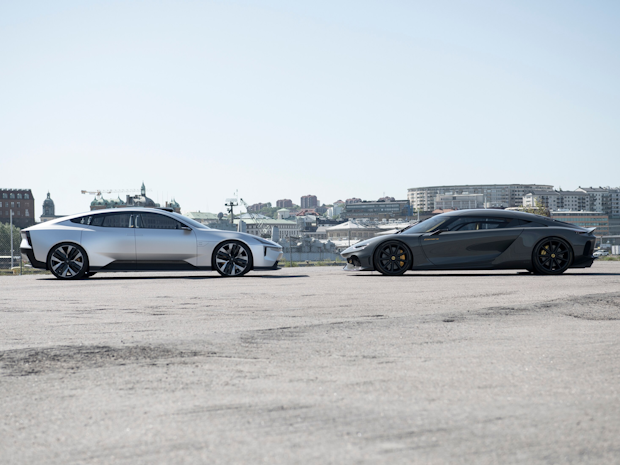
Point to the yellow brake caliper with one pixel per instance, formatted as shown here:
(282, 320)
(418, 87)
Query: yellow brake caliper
(402, 257)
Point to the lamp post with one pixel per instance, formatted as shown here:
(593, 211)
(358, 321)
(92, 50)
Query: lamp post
(11, 229)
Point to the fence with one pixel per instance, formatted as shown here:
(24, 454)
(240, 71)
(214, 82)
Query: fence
(10, 257)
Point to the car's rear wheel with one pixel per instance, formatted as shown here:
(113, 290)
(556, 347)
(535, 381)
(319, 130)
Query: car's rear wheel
(392, 258)
(552, 256)
(232, 259)
(68, 261)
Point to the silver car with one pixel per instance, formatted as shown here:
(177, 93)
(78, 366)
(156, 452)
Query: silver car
(142, 239)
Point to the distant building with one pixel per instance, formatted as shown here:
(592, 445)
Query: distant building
(494, 195)
(351, 200)
(307, 211)
(334, 211)
(283, 213)
(286, 228)
(309, 201)
(585, 219)
(21, 202)
(140, 200)
(557, 200)
(284, 203)
(258, 206)
(353, 231)
(49, 210)
(377, 210)
(174, 205)
(459, 201)
(205, 218)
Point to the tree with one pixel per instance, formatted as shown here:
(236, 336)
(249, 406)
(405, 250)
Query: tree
(5, 239)
(539, 209)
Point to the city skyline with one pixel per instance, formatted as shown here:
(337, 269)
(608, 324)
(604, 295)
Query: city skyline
(38, 205)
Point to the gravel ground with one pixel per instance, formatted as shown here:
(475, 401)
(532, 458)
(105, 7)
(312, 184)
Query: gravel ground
(311, 365)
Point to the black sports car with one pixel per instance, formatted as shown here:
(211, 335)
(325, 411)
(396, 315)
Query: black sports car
(477, 240)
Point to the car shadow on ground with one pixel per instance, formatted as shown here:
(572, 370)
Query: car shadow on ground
(120, 278)
(481, 275)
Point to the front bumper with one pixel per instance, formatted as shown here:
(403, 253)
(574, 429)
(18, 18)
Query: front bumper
(355, 263)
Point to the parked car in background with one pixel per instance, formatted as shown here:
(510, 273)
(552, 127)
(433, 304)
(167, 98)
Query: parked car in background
(601, 253)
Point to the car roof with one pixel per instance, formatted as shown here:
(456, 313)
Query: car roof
(492, 212)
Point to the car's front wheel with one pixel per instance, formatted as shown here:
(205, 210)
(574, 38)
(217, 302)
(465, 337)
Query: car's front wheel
(68, 261)
(552, 256)
(392, 258)
(232, 259)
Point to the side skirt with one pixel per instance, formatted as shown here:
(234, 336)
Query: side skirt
(149, 266)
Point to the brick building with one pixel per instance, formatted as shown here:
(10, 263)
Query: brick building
(21, 202)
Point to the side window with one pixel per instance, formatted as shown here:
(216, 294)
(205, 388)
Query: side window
(530, 224)
(80, 220)
(155, 221)
(477, 223)
(116, 220)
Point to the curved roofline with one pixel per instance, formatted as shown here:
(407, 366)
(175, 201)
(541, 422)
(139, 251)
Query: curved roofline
(512, 214)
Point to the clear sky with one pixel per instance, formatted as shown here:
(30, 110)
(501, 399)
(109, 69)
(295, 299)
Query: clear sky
(279, 99)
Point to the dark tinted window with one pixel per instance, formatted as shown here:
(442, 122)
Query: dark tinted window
(94, 220)
(116, 220)
(530, 224)
(429, 225)
(155, 221)
(471, 223)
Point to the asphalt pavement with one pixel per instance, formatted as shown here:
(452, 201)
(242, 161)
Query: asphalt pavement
(311, 365)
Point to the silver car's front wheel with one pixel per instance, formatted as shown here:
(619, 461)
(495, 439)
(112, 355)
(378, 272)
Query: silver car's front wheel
(68, 261)
(232, 258)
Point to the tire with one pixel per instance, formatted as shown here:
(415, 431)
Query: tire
(552, 256)
(232, 259)
(392, 258)
(67, 261)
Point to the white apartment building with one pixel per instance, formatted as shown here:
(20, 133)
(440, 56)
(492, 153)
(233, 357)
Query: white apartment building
(557, 200)
(494, 195)
(460, 201)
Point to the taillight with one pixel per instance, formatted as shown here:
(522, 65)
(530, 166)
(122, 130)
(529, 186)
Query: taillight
(26, 235)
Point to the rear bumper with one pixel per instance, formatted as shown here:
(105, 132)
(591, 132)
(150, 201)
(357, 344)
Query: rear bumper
(29, 254)
(583, 261)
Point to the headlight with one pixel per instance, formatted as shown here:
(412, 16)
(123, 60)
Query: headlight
(360, 246)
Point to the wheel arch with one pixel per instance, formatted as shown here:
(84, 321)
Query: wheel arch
(551, 237)
(51, 249)
(234, 239)
(379, 244)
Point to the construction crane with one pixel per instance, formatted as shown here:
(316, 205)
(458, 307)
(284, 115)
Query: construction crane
(263, 229)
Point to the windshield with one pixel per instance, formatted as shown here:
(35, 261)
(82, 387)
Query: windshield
(190, 222)
(429, 225)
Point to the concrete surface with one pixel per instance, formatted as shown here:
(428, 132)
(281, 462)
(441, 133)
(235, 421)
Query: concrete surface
(311, 365)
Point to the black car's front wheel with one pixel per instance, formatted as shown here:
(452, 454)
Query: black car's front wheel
(68, 261)
(392, 258)
(232, 259)
(552, 256)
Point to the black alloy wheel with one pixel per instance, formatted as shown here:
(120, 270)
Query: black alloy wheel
(552, 256)
(232, 259)
(392, 258)
(67, 261)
